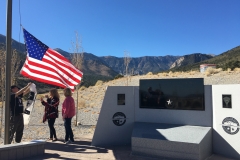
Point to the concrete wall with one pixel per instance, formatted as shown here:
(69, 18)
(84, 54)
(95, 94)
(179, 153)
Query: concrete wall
(106, 132)
(227, 142)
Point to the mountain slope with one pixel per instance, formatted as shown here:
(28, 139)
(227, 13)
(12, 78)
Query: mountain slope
(230, 56)
(140, 65)
(15, 44)
(191, 59)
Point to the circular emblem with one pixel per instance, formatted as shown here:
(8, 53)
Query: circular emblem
(230, 125)
(119, 119)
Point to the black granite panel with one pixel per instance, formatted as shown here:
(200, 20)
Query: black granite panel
(183, 94)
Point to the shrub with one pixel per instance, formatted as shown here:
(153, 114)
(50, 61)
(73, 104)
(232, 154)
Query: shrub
(192, 72)
(159, 74)
(232, 65)
(237, 70)
(211, 70)
(207, 73)
(149, 73)
(165, 74)
(177, 73)
(229, 70)
(81, 104)
(82, 88)
(118, 76)
(219, 70)
(99, 83)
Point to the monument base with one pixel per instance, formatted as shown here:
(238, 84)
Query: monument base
(171, 141)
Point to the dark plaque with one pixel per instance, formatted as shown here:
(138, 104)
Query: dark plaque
(227, 101)
(121, 99)
(182, 94)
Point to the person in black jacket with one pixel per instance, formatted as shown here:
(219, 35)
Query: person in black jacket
(16, 118)
(51, 111)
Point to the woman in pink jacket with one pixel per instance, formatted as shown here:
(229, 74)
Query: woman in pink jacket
(68, 111)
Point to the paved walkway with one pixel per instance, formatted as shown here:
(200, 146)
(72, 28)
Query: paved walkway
(81, 149)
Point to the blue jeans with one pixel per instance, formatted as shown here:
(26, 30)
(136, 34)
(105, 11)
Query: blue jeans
(68, 129)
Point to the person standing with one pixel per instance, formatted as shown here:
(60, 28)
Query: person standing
(68, 111)
(51, 111)
(16, 118)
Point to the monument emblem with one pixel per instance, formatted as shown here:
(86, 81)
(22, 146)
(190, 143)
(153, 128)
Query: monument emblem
(230, 125)
(119, 119)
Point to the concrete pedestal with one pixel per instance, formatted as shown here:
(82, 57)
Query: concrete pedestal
(171, 141)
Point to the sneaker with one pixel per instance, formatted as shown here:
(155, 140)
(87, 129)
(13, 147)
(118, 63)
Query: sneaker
(69, 142)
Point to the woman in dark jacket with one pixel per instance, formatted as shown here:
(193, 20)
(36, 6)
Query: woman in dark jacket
(51, 111)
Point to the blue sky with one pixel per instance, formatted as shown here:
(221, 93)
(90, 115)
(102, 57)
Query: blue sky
(141, 27)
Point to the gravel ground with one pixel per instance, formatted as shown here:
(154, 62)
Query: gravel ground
(93, 96)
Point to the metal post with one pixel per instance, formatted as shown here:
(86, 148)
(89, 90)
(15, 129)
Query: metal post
(77, 105)
(8, 71)
(77, 108)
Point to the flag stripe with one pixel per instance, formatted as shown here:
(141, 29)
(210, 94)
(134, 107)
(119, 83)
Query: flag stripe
(36, 72)
(46, 65)
(62, 69)
(50, 69)
(46, 80)
(56, 56)
(59, 69)
(30, 74)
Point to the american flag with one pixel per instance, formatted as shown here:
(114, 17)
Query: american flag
(46, 65)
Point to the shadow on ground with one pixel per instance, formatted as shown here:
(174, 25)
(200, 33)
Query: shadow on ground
(82, 150)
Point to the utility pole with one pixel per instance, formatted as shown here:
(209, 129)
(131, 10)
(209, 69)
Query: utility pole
(8, 71)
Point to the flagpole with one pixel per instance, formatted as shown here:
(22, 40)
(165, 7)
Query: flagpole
(77, 108)
(8, 71)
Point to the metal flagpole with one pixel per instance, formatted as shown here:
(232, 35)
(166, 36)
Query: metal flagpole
(77, 108)
(8, 71)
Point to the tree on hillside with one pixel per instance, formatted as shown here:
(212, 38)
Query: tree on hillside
(127, 60)
(77, 61)
(231, 64)
(77, 55)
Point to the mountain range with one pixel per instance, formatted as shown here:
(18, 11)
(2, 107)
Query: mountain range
(111, 65)
(107, 67)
